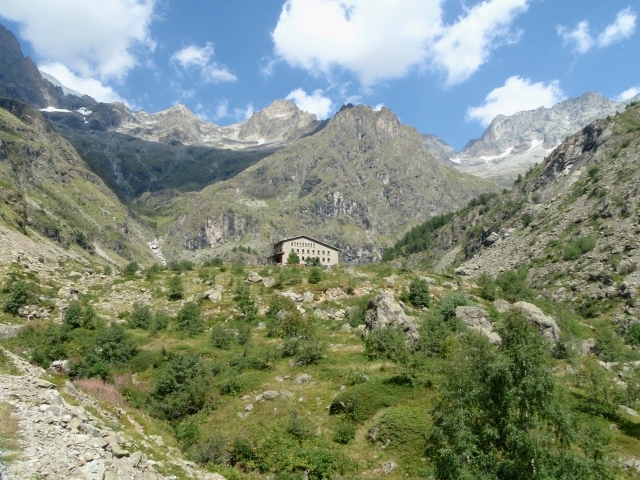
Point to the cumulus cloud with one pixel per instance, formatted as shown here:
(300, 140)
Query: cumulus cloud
(93, 38)
(582, 40)
(629, 93)
(86, 85)
(378, 39)
(222, 111)
(196, 58)
(517, 94)
(315, 103)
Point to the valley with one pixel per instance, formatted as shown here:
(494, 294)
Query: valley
(483, 321)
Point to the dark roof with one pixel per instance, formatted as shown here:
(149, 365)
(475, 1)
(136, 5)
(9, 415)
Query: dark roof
(310, 238)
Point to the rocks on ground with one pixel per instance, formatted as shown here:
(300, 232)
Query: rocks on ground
(479, 320)
(384, 312)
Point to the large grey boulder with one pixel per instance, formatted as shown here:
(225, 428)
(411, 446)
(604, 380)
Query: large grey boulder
(547, 325)
(478, 320)
(254, 278)
(268, 282)
(384, 312)
(214, 294)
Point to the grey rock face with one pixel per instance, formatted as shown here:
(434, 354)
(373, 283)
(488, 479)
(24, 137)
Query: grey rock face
(547, 325)
(384, 312)
(479, 320)
(438, 148)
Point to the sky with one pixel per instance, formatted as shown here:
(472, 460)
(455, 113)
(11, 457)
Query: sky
(446, 67)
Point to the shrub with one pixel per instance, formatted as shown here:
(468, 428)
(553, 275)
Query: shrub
(450, 302)
(176, 290)
(633, 334)
(90, 319)
(298, 427)
(237, 268)
(310, 352)
(214, 262)
(609, 345)
(73, 316)
(189, 320)
(356, 376)
(181, 388)
(140, 317)
(419, 293)
(115, 345)
(160, 321)
(433, 333)
(387, 343)
(314, 276)
(187, 433)
(245, 303)
(345, 432)
(221, 337)
(18, 297)
(212, 450)
(356, 313)
(487, 287)
(242, 453)
(513, 285)
(130, 269)
(181, 266)
(579, 247)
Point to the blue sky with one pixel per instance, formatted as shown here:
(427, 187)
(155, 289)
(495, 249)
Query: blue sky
(446, 67)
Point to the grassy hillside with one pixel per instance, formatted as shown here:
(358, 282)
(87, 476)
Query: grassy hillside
(254, 385)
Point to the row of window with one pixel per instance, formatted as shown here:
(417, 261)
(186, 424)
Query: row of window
(313, 252)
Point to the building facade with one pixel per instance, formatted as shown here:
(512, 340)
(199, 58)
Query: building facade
(304, 247)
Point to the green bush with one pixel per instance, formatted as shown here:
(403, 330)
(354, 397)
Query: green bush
(181, 388)
(73, 316)
(130, 269)
(419, 293)
(450, 302)
(212, 450)
(242, 453)
(237, 268)
(298, 427)
(18, 297)
(176, 290)
(609, 345)
(160, 321)
(356, 313)
(345, 432)
(487, 287)
(140, 317)
(181, 266)
(315, 276)
(189, 320)
(633, 334)
(245, 303)
(386, 344)
(513, 286)
(187, 433)
(221, 337)
(579, 247)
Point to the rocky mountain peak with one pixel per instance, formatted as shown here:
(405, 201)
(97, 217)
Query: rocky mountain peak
(362, 121)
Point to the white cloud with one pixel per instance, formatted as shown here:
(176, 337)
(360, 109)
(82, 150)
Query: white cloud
(516, 95)
(93, 38)
(315, 103)
(378, 107)
(222, 111)
(628, 94)
(379, 39)
(86, 85)
(197, 58)
(582, 40)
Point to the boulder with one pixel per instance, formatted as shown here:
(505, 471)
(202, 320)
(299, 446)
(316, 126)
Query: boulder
(213, 295)
(270, 395)
(268, 282)
(291, 295)
(307, 297)
(491, 239)
(384, 312)
(478, 320)
(302, 378)
(547, 325)
(254, 277)
(334, 293)
(9, 331)
(502, 305)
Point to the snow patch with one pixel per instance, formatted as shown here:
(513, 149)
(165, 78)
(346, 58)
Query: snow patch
(535, 143)
(455, 160)
(280, 115)
(84, 111)
(53, 109)
(506, 153)
(261, 141)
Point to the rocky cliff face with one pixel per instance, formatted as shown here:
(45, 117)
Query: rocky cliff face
(48, 189)
(21, 79)
(357, 183)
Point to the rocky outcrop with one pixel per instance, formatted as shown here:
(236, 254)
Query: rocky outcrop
(536, 317)
(478, 320)
(438, 148)
(384, 312)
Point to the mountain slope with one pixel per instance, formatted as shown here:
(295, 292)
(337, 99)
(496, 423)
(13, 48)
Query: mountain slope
(439, 148)
(573, 221)
(358, 182)
(49, 190)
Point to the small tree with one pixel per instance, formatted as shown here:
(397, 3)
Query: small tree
(131, 269)
(419, 293)
(315, 276)
(293, 258)
(73, 316)
(245, 303)
(140, 316)
(176, 290)
(189, 320)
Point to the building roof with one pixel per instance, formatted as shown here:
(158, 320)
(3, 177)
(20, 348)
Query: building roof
(307, 237)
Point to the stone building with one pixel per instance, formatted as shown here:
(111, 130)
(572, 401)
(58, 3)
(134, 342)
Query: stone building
(304, 247)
